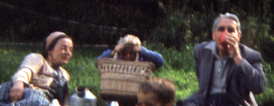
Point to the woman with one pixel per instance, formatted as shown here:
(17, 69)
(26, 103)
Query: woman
(40, 78)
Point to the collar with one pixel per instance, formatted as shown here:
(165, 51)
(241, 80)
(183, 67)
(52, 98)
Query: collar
(212, 46)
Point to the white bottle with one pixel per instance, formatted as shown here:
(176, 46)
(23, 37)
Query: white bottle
(114, 103)
(82, 97)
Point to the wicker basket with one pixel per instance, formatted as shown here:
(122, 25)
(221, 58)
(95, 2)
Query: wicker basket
(121, 79)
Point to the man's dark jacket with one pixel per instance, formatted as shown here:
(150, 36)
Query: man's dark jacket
(242, 81)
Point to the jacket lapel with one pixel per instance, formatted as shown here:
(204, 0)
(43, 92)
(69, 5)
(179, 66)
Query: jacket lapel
(209, 71)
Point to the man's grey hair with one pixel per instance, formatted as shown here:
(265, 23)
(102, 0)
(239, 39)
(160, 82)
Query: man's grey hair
(227, 15)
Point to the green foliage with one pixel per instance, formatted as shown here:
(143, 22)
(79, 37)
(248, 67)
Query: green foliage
(173, 31)
(9, 63)
(11, 58)
(256, 34)
(185, 82)
(175, 59)
(179, 29)
(178, 67)
(267, 95)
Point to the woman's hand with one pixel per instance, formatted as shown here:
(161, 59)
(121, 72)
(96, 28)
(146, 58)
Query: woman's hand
(17, 91)
(137, 48)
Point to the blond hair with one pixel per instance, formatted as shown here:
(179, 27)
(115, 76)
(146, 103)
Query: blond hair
(129, 39)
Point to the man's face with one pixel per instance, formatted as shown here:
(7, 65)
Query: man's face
(226, 26)
(62, 52)
(149, 99)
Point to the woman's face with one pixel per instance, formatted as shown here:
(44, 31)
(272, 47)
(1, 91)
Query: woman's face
(61, 53)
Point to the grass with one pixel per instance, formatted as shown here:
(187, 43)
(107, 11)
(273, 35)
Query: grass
(178, 67)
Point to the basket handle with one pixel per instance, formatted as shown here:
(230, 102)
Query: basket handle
(136, 59)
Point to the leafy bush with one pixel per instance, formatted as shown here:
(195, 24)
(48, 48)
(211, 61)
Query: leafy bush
(265, 97)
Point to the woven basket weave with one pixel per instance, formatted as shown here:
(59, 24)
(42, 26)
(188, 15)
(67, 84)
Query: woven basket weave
(122, 78)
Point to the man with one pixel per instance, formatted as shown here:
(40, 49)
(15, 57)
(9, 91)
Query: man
(156, 92)
(228, 73)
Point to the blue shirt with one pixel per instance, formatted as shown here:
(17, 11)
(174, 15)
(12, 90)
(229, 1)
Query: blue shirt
(144, 55)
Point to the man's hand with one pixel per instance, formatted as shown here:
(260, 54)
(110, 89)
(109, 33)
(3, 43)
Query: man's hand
(17, 91)
(233, 48)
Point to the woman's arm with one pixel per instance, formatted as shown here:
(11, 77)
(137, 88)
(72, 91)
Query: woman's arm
(30, 65)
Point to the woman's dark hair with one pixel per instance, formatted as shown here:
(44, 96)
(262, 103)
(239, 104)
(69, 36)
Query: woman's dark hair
(51, 45)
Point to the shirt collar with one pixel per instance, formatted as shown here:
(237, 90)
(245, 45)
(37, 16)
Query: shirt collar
(212, 46)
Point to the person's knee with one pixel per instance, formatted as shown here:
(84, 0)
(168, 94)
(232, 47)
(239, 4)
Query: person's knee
(36, 97)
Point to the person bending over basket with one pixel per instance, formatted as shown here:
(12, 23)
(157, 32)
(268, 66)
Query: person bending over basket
(40, 78)
(156, 92)
(127, 48)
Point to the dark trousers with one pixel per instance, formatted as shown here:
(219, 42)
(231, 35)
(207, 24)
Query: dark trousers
(212, 100)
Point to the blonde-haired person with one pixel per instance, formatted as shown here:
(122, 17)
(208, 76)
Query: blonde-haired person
(156, 92)
(126, 49)
(127, 46)
(40, 78)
